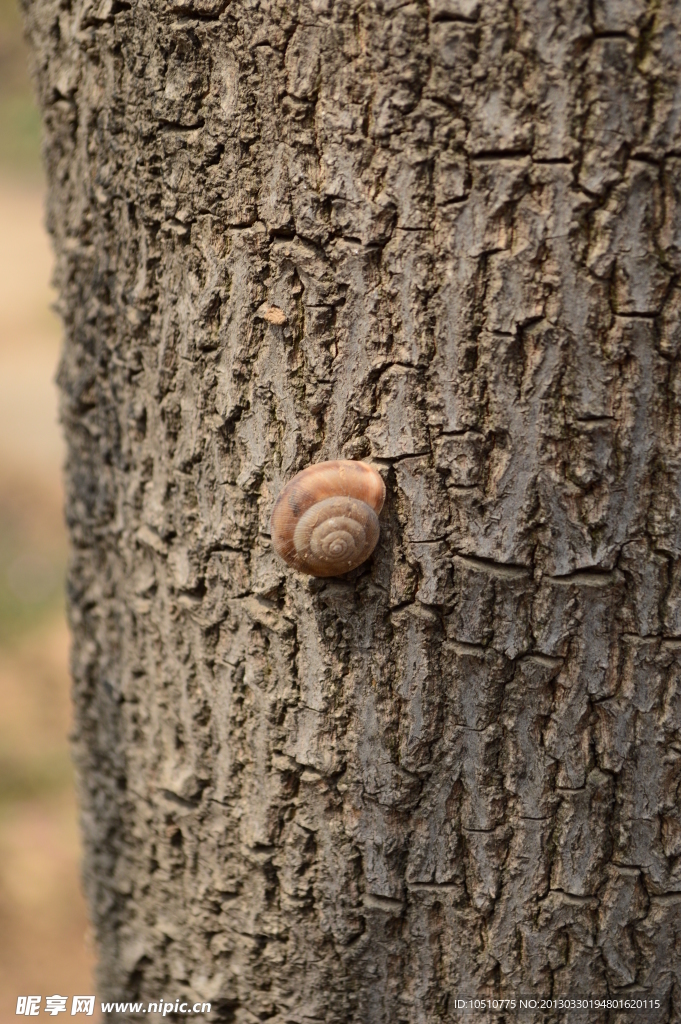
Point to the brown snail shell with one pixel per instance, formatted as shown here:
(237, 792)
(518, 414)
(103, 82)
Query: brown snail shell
(325, 521)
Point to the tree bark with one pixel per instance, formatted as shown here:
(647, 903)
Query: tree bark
(454, 773)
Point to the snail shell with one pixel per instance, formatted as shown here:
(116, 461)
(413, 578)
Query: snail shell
(325, 521)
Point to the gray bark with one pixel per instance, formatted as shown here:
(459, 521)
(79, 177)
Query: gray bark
(456, 772)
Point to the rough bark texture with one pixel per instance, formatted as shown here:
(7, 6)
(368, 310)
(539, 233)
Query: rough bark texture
(455, 773)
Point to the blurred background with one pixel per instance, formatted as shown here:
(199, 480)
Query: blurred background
(44, 939)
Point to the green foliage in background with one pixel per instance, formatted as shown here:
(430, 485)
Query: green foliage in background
(19, 120)
(35, 767)
(31, 589)
(28, 778)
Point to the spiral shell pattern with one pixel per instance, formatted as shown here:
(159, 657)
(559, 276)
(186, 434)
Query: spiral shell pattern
(325, 521)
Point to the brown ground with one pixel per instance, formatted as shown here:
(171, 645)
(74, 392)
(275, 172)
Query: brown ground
(43, 927)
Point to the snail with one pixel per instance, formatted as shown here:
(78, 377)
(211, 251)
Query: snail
(325, 521)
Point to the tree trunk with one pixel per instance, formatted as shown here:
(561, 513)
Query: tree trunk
(445, 240)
